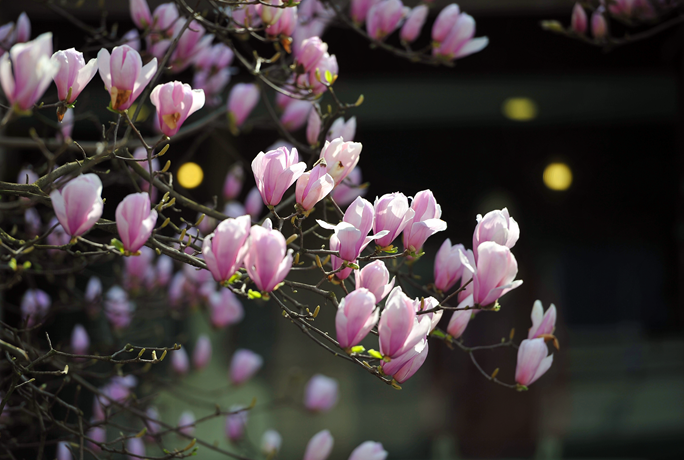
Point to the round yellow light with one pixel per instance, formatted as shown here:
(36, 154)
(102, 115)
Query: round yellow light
(190, 175)
(558, 176)
(519, 109)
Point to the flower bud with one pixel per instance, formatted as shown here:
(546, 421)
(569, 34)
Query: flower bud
(138, 268)
(23, 32)
(235, 209)
(242, 100)
(319, 446)
(225, 249)
(313, 186)
(295, 115)
(311, 52)
(63, 452)
(414, 23)
(392, 213)
(445, 22)
(135, 446)
(268, 261)
(175, 102)
(318, 77)
(599, 27)
(93, 291)
(152, 426)
(578, 21)
(496, 226)
(189, 46)
(359, 10)
(140, 13)
(426, 304)
(533, 361)
(460, 318)
(542, 323)
(118, 309)
(356, 316)
(270, 15)
(270, 443)
(384, 18)
(180, 362)
(369, 450)
(236, 423)
(97, 434)
(124, 76)
(33, 223)
(341, 129)
(460, 41)
(375, 278)
(78, 205)
(399, 328)
(80, 342)
(35, 304)
(73, 75)
(135, 221)
(313, 127)
(321, 392)
(450, 262)
(286, 23)
(425, 223)
(201, 355)
(403, 366)
(186, 423)
(233, 183)
(225, 308)
(244, 365)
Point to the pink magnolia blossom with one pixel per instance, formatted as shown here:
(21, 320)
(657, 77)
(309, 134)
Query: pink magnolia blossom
(460, 318)
(35, 304)
(458, 41)
(233, 183)
(426, 304)
(175, 102)
(496, 226)
(599, 26)
(201, 355)
(225, 308)
(400, 329)
(254, 205)
(542, 323)
(319, 446)
(214, 58)
(73, 75)
(63, 451)
(314, 28)
(340, 128)
(376, 278)
(336, 262)
(268, 261)
(26, 72)
(359, 10)
(321, 393)
(186, 423)
(97, 434)
(225, 249)
(12, 33)
(270, 443)
(236, 423)
(414, 23)
(79, 204)
(140, 13)
(275, 171)
(93, 291)
(23, 31)
(244, 364)
(384, 17)
(533, 361)
(468, 272)
(313, 186)
(318, 77)
(445, 22)
(403, 366)
(311, 52)
(246, 16)
(392, 213)
(349, 189)
(123, 74)
(356, 316)
(190, 44)
(341, 157)
(180, 363)
(450, 262)
(369, 450)
(241, 101)
(80, 342)
(152, 426)
(118, 308)
(495, 273)
(295, 115)
(135, 446)
(285, 25)
(425, 223)
(270, 15)
(578, 21)
(135, 221)
(58, 237)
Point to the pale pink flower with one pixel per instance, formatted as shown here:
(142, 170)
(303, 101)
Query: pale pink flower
(321, 393)
(140, 13)
(403, 366)
(376, 278)
(225, 308)
(73, 75)
(340, 128)
(426, 304)
(392, 213)
(78, 205)
(349, 189)
(496, 226)
(135, 446)
(285, 25)
(135, 221)
(138, 268)
(319, 446)
(369, 450)
(542, 323)
(275, 171)
(495, 273)
(313, 186)
(450, 262)
(295, 115)
(236, 423)
(341, 157)
(186, 423)
(268, 261)
(578, 21)
(445, 22)
(359, 10)
(241, 101)
(400, 329)
(460, 318)
(201, 355)
(384, 17)
(269, 15)
(175, 102)
(414, 23)
(313, 127)
(270, 443)
(244, 364)
(123, 74)
(310, 53)
(599, 26)
(233, 183)
(80, 342)
(351, 233)
(180, 361)
(225, 249)
(254, 205)
(118, 309)
(533, 361)
(63, 452)
(425, 223)
(324, 74)
(459, 41)
(356, 316)
(35, 304)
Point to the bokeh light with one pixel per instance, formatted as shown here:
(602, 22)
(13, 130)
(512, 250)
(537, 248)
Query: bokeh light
(519, 109)
(190, 175)
(558, 176)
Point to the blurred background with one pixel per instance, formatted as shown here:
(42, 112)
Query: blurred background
(585, 148)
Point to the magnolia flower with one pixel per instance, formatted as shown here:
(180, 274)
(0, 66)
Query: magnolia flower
(268, 261)
(275, 171)
(542, 323)
(495, 273)
(244, 365)
(135, 221)
(321, 393)
(319, 446)
(533, 361)
(356, 316)
(78, 205)
(270, 443)
(74, 74)
(241, 101)
(369, 450)
(124, 76)
(313, 186)
(496, 226)
(375, 278)
(341, 157)
(175, 102)
(225, 249)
